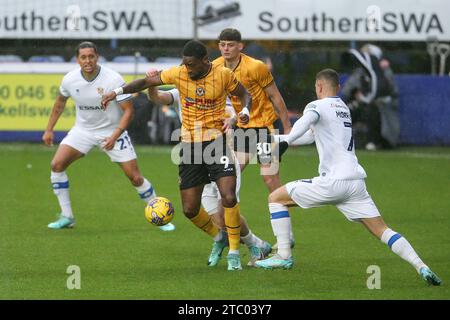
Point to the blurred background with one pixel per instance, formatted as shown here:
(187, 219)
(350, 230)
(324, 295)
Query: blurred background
(392, 57)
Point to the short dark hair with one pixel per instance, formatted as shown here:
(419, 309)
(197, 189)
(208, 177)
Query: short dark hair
(230, 34)
(84, 45)
(195, 49)
(329, 75)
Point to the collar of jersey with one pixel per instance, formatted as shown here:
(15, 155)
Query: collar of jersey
(209, 70)
(99, 69)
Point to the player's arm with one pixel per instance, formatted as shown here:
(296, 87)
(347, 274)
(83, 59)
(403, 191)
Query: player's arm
(58, 108)
(155, 95)
(301, 126)
(246, 101)
(231, 117)
(159, 96)
(125, 120)
(132, 87)
(280, 106)
(305, 139)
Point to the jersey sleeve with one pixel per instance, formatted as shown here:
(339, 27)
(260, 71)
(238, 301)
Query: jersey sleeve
(169, 76)
(63, 90)
(230, 80)
(263, 75)
(312, 107)
(175, 97)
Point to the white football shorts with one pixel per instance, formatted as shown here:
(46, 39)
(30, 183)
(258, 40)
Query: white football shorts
(349, 196)
(84, 141)
(211, 195)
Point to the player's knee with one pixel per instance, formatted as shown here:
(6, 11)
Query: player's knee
(190, 211)
(229, 200)
(272, 197)
(57, 166)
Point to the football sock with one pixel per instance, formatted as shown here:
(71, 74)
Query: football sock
(248, 239)
(60, 184)
(400, 246)
(281, 225)
(232, 223)
(252, 240)
(203, 221)
(146, 191)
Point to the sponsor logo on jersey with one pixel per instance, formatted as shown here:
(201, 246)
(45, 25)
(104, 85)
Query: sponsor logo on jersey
(334, 105)
(87, 108)
(200, 103)
(100, 91)
(342, 114)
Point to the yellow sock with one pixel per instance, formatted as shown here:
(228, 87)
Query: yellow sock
(232, 222)
(203, 221)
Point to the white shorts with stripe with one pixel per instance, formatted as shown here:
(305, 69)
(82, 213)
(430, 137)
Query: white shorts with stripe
(84, 141)
(349, 196)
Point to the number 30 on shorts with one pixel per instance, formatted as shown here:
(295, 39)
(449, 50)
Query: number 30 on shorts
(263, 148)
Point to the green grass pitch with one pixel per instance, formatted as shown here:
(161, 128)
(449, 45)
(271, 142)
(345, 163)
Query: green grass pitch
(122, 256)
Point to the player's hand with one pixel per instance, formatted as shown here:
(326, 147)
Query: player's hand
(151, 72)
(108, 143)
(47, 137)
(228, 124)
(287, 129)
(244, 117)
(283, 146)
(107, 98)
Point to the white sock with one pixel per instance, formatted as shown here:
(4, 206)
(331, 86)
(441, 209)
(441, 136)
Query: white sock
(252, 240)
(400, 246)
(60, 184)
(220, 235)
(281, 225)
(146, 191)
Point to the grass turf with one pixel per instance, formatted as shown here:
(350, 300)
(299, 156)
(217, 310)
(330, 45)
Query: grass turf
(121, 256)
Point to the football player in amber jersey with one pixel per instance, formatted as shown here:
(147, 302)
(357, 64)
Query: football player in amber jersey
(267, 105)
(203, 89)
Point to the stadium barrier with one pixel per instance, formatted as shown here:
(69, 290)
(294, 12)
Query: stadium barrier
(28, 90)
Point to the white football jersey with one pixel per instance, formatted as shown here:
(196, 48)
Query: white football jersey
(88, 96)
(176, 101)
(334, 140)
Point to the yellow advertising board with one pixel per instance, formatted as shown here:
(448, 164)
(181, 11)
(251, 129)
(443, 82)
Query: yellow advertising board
(26, 102)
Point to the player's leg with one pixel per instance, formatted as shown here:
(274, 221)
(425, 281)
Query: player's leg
(259, 249)
(401, 247)
(269, 163)
(243, 159)
(360, 207)
(75, 145)
(125, 156)
(227, 190)
(211, 204)
(271, 178)
(279, 202)
(143, 187)
(191, 201)
(64, 156)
